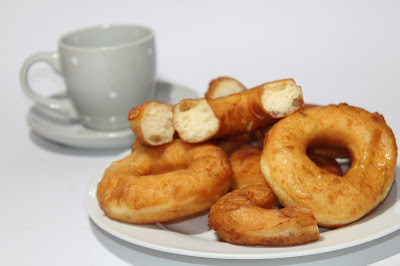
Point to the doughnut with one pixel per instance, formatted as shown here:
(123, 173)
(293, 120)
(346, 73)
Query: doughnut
(247, 216)
(223, 86)
(334, 200)
(152, 123)
(160, 183)
(198, 120)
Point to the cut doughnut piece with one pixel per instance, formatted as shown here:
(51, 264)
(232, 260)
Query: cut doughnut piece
(223, 86)
(194, 120)
(152, 123)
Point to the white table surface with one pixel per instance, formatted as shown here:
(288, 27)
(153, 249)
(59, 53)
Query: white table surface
(338, 51)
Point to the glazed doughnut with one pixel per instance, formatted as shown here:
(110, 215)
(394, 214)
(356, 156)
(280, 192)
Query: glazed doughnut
(198, 120)
(223, 86)
(247, 216)
(152, 123)
(334, 200)
(161, 183)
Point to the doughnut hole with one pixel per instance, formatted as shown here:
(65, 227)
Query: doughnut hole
(333, 159)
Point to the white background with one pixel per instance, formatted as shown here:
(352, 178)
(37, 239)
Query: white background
(337, 51)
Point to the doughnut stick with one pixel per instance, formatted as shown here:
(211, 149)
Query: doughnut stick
(223, 86)
(152, 123)
(198, 120)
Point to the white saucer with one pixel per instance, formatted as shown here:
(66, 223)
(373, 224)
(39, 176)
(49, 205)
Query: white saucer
(70, 133)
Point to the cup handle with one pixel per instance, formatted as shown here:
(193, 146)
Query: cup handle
(61, 106)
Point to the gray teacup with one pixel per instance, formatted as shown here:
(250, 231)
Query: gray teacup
(107, 71)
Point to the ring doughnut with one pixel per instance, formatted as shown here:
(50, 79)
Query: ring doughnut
(198, 120)
(334, 200)
(247, 216)
(161, 183)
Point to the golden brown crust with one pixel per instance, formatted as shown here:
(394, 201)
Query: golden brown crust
(156, 184)
(247, 216)
(136, 144)
(334, 200)
(231, 144)
(246, 171)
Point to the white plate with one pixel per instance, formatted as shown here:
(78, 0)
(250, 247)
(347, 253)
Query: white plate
(71, 133)
(193, 237)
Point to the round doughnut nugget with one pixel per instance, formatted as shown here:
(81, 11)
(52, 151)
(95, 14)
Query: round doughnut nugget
(161, 183)
(335, 200)
(247, 216)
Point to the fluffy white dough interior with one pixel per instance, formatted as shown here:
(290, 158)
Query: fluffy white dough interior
(281, 98)
(194, 120)
(227, 87)
(157, 124)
